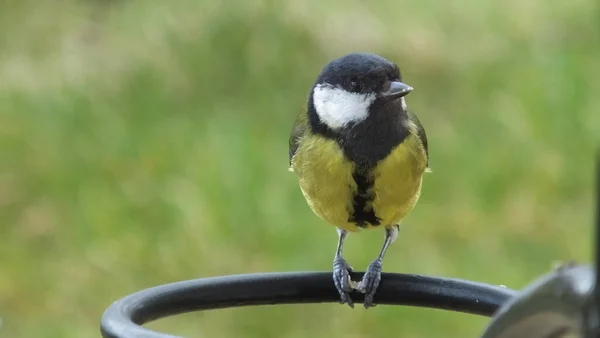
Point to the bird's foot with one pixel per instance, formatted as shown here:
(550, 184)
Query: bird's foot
(342, 281)
(370, 281)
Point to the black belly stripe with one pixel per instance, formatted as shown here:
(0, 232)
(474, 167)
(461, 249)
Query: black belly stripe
(362, 202)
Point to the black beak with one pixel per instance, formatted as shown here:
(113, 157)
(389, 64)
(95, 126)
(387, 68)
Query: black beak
(396, 89)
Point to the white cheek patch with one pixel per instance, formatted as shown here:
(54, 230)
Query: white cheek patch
(403, 103)
(337, 107)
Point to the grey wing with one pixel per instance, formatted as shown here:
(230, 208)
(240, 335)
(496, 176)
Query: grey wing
(300, 127)
(421, 133)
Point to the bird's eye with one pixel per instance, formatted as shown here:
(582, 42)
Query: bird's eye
(355, 85)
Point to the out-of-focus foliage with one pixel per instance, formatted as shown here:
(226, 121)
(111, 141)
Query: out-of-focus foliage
(145, 142)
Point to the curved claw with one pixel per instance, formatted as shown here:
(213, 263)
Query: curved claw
(341, 279)
(370, 282)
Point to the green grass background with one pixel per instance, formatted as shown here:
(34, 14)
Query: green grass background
(145, 142)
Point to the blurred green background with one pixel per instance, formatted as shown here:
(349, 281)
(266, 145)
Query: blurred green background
(145, 142)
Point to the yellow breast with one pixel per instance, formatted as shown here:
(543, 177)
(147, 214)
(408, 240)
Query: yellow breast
(325, 178)
(398, 180)
(326, 181)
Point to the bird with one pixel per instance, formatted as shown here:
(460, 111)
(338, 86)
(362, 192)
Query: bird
(360, 157)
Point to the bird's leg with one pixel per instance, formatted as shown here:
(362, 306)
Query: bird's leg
(370, 281)
(341, 271)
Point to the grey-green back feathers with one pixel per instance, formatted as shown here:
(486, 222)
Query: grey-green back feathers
(299, 128)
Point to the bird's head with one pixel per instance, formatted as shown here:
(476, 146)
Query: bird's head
(348, 87)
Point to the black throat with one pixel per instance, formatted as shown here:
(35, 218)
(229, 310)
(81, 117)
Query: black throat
(365, 144)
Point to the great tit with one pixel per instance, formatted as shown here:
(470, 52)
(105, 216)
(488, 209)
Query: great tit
(360, 157)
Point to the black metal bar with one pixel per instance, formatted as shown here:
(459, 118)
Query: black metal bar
(591, 315)
(597, 232)
(124, 317)
(591, 320)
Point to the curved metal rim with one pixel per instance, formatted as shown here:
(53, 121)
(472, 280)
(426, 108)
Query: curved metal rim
(123, 319)
(548, 307)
